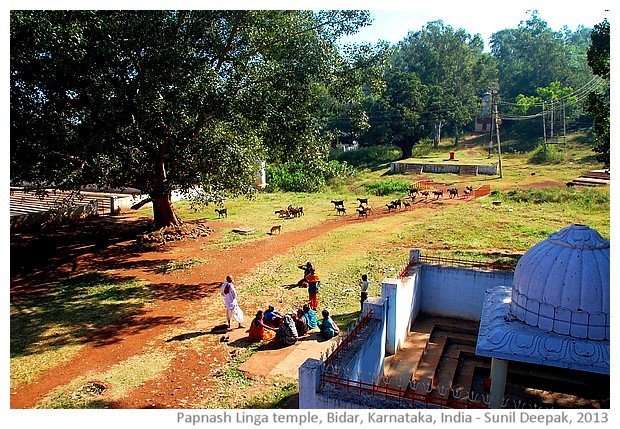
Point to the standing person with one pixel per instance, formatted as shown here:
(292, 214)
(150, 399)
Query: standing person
(306, 269)
(363, 290)
(314, 283)
(233, 311)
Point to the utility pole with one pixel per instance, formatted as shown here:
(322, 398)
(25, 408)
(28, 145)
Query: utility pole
(491, 127)
(498, 121)
(544, 116)
(564, 120)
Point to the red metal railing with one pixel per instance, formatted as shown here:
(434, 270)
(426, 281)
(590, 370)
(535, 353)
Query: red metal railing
(363, 321)
(482, 191)
(440, 260)
(400, 395)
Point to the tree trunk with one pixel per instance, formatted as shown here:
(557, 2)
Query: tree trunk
(437, 133)
(163, 213)
(406, 146)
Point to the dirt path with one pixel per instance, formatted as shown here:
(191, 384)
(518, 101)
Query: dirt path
(186, 307)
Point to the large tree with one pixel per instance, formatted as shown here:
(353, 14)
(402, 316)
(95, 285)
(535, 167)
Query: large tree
(453, 66)
(533, 56)
(165, 100)
(598, 102)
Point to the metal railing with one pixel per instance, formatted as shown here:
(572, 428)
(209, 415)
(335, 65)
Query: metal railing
(402, 396)
(343, 342)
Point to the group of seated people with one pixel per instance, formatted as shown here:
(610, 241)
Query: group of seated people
(288, 328)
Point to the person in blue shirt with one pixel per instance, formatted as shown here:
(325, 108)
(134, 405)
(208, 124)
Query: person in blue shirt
(310, 317)
(272, 317)
(328, 327)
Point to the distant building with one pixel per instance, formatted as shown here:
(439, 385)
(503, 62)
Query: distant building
(484, 120)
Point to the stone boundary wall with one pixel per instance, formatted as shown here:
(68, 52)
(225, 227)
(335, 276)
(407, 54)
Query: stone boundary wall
(417, 168)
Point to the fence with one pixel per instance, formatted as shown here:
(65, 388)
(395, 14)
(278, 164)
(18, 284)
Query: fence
(466, 263)
(404, 397)
(344, 341)
(482, 191)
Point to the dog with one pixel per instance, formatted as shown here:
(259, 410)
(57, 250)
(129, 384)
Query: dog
(276, 228)
(222, 212)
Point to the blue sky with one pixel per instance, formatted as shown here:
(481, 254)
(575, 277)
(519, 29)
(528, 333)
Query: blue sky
(393, 24)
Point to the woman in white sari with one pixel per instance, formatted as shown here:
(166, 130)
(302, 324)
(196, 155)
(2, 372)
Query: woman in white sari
(233, 311)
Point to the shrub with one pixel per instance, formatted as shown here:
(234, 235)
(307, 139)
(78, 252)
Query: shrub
(582, 197)
(296, 176)
(546, 154)
(370, 157)
(387, 187)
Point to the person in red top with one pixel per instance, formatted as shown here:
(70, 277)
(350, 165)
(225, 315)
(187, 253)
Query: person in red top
(258, 330)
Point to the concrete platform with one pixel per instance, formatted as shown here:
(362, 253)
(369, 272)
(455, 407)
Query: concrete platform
(279, 361)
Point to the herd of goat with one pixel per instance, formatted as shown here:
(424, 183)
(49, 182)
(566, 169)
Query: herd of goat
(363, 208)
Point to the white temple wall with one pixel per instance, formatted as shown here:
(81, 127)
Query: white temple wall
(403, 298)
(457, 292)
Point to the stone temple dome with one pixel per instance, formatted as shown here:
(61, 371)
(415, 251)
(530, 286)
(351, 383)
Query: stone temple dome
(562, 284)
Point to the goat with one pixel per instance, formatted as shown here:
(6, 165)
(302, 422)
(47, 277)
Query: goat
(366, 209)
(397, 203)
(438, 194)
(276, 228)
(341, 210)
(468, 190)
(295, 211)
(390, 207)
(454, 192)
(406, 203)
(413, 191)
(222, 212)
(338, 204)
(361, 211)
(425, 194)
(363, 200)
(283, 213)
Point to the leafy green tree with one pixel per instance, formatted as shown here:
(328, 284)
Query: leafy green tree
(399, 116)
(453, 66)
(165, 100)
(532, 56)
(549, 100)
(598, 103)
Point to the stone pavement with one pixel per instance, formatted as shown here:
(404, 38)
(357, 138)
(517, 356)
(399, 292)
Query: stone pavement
(271, 360)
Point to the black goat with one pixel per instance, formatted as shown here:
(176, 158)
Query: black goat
(222, 212)
(338, 204)
(361, 211)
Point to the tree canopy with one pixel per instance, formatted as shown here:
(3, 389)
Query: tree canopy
(164, 100)
(598, 103)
